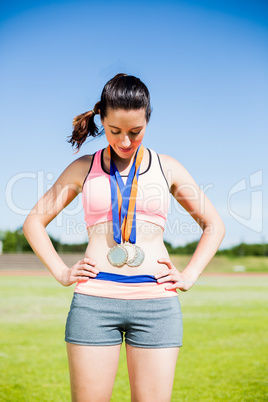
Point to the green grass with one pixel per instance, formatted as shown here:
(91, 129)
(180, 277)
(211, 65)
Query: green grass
(226, 264)
(223, 357)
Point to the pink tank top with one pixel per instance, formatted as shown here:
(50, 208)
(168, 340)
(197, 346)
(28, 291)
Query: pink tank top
(153, 197)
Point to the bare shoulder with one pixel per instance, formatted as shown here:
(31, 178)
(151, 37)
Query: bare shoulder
(67, 186)
(77, 170)
(186, 191)
(175, 173)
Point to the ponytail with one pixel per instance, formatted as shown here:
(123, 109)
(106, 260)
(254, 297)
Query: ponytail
(83, 127)
(120, 92)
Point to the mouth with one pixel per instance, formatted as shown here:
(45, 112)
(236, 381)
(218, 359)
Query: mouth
(125, 150)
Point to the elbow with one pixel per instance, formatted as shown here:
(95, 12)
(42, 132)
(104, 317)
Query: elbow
(216, 228)
(221, 227)
(24, 226)
(28, 224)
(220, 230)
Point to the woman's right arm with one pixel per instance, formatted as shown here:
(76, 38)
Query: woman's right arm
(59, 196)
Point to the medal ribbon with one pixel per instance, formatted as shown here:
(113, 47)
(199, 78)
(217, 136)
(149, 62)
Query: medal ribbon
(123, 198)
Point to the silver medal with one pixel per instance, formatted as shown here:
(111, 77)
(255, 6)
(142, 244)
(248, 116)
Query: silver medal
(118, 255)
(132, 252)
(139, 258)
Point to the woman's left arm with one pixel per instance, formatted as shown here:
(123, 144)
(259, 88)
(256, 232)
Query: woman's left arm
(197, 204)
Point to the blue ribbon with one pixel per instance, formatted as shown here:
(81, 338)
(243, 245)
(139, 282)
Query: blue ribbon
(107, 276)
(125, 190)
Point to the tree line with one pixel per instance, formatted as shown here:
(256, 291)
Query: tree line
(15, 242)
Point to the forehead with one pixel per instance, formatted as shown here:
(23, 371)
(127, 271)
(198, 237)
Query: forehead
(124, 118)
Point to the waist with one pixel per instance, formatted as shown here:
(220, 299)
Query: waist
(149, 238)
(124, 286)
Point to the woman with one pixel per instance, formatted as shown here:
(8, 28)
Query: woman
(126, 285)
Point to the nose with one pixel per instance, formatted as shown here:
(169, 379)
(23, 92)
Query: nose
(125, 142)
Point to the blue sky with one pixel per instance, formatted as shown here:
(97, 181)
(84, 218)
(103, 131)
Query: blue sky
(205, 64)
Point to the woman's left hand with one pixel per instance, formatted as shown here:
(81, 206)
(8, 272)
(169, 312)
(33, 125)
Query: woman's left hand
(171, 274)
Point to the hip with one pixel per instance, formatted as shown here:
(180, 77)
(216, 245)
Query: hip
(120, 286)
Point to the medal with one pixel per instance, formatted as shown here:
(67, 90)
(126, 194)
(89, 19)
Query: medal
(139, 258)
(132, 252)
(123, 198)
(118, 255)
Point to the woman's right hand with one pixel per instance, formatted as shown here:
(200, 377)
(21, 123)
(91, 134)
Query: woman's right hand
(80, 271)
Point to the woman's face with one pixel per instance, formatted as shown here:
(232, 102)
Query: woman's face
(124, 130)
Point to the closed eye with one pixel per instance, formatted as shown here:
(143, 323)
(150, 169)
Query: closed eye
(130, 132)
(135, 133)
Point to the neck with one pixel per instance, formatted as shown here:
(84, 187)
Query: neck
(121, 163)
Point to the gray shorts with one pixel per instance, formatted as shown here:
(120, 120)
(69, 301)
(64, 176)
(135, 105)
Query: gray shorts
(146, 323)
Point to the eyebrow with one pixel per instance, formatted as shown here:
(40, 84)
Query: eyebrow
(130, 129)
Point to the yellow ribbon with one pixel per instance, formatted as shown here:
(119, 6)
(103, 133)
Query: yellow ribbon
(128, 219)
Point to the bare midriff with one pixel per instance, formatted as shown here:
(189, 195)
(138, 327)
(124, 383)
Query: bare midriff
(148, 236)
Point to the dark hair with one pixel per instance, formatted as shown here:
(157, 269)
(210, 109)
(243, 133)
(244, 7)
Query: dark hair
(121, 92)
